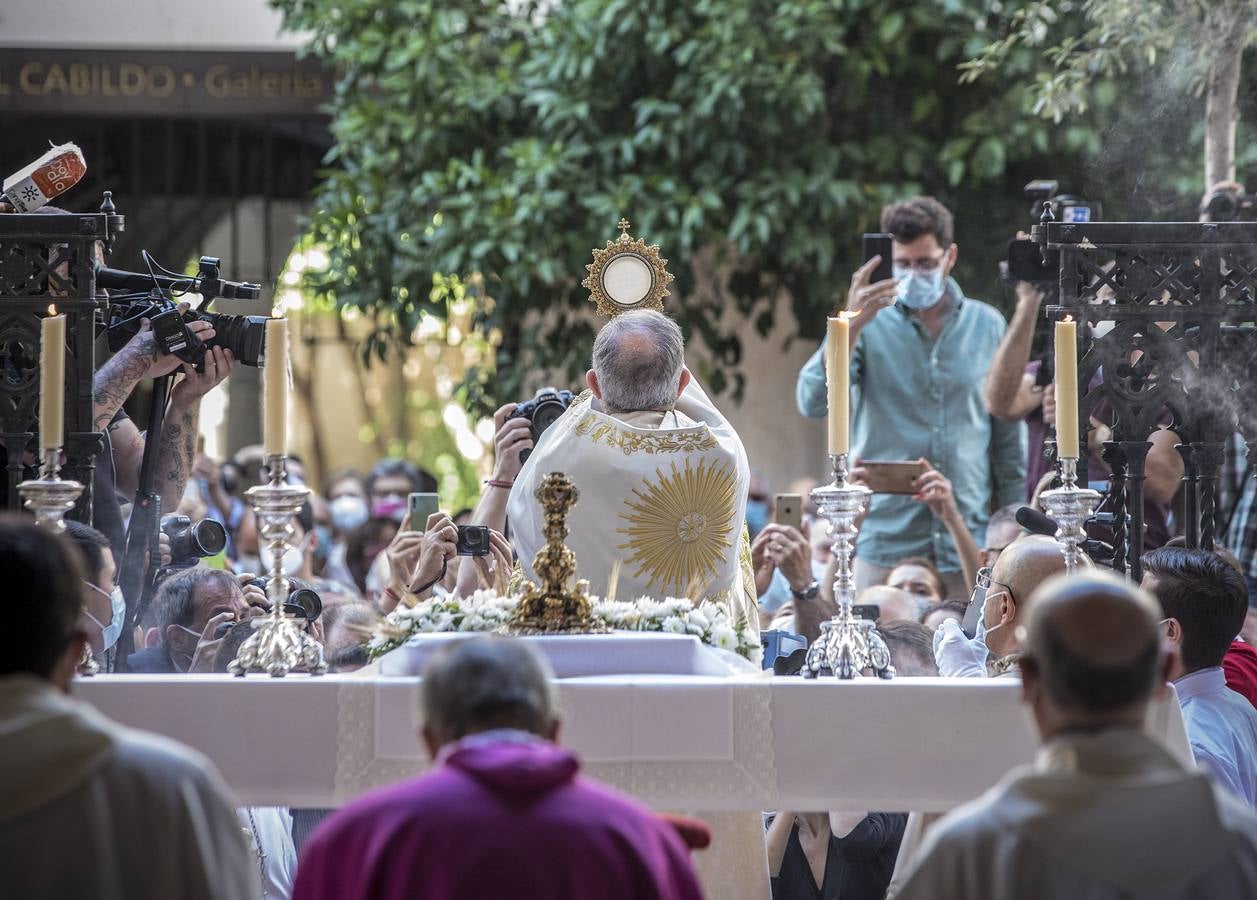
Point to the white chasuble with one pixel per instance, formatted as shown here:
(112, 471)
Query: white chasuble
(663, 494)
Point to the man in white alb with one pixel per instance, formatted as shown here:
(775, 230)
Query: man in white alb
(662, 476)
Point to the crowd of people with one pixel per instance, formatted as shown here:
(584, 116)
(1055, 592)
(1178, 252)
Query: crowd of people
(937, 377)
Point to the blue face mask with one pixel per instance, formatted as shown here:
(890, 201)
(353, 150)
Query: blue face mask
(919, 290)
(110, 633)
(756, 516)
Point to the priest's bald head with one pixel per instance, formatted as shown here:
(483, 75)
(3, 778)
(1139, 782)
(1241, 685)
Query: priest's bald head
(1093, 654)
(1023, 565)
(638, 363)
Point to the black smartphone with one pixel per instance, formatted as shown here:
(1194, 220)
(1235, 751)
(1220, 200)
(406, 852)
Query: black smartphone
(866, 611)
(879, 245)
(473, 540)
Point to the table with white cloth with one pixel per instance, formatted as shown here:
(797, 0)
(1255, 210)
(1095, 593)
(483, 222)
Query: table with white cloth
(706, 745)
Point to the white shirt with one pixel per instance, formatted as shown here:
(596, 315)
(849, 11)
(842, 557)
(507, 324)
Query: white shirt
(269, 831)
(1103, 816)
(91, 809)
(1222, 728)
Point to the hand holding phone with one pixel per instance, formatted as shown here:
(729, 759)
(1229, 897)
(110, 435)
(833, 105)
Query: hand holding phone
(881, 246)
(420, 506)
(873, 286)
(883, 476)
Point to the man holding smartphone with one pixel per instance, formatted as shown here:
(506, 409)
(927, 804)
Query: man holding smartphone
(920, 351)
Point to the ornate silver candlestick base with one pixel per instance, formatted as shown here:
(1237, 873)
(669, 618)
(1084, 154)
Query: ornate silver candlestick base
(48, 496)
(847, 645)
(1070, 507)
(279, 643)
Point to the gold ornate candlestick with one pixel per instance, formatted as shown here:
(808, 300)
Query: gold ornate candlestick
(49, 496)
(847, 645)
(554, 608)
(279, 643)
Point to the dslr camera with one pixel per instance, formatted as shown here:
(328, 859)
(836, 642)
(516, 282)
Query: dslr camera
(542, 411)
(244, 336)
(303, 601)
(1025, 259)
(190, 541)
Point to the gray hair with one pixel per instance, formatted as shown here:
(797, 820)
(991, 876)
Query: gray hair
(483, 683)
(175, 603)
(638, 358)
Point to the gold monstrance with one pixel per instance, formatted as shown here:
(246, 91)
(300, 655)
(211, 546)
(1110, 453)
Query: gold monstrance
(554, 607)
(627, 274)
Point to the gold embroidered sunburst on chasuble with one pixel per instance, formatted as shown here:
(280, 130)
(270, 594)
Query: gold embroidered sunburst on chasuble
(679, 525)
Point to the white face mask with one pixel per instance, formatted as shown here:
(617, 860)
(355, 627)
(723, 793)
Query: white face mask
(292, 560)
(110, 633)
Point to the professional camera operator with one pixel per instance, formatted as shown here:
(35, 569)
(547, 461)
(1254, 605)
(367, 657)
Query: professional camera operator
(119, 472)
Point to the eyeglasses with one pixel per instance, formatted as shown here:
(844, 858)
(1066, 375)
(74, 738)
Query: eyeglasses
(984, 581)
(925, 264)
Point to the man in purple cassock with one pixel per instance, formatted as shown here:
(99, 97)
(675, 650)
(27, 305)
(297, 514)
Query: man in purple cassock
(504, 814)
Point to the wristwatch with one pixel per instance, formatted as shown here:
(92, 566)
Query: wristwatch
(808, 593)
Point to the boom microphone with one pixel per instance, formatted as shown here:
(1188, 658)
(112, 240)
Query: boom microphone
(51, 175)
(1035, 522)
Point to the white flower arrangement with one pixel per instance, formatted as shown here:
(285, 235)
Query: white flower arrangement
(485, 610)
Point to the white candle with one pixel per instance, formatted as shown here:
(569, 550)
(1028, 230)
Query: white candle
(52, 380)
(1067, 389)
(837, 378)
(275, 389)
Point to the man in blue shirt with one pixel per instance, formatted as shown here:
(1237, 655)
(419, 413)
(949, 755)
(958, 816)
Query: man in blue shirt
(1204, 599)
(920, 351)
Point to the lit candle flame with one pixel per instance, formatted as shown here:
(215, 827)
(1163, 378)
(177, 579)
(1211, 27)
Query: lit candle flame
(1068, 319)
(52, 309)
(848, 314)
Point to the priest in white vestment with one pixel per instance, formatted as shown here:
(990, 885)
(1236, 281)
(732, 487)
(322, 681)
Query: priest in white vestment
(1106, 813)
(88, 808)
(662, 476)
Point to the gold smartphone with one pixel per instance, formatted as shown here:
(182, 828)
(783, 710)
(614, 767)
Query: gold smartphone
(892, 476)
(788, 510)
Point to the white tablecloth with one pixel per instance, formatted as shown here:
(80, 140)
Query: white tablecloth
(748, 743)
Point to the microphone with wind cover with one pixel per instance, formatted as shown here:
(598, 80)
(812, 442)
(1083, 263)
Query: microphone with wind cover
(51, 175)
(1036, 522)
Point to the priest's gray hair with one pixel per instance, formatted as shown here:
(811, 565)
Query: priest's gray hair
(638, 358)
(484, 683)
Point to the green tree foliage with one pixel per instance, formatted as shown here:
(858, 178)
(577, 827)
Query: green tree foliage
(1087, 47)
(752, 139)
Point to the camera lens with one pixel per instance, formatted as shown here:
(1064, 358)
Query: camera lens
(304, 603)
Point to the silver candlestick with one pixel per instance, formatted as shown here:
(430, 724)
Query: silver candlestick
(847, 645)
(279, 643)
(1070, 507)
(49, 496)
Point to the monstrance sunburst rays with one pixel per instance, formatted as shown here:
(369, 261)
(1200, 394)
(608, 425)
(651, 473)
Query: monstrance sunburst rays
(680, 525)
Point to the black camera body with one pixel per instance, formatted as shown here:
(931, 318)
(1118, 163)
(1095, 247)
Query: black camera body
(1229, 206)
(244, 336)
(1025, 259)
(473, 540)
(542, 411)
(303, 602)
(190, 541)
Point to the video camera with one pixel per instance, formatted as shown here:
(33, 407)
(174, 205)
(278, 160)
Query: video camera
(1025, 259)
(244, 336)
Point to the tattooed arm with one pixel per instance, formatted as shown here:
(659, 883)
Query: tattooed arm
(179, 434)
(115, 380)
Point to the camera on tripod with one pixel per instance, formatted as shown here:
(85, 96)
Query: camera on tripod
(1025, 259)
(244, 336)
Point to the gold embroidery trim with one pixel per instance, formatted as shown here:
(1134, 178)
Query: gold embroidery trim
(601, 431)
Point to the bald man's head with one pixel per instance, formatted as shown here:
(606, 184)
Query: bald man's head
(1024, 565)
(1093, 649)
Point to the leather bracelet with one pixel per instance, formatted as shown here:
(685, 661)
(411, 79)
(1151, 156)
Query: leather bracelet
(494, 482)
